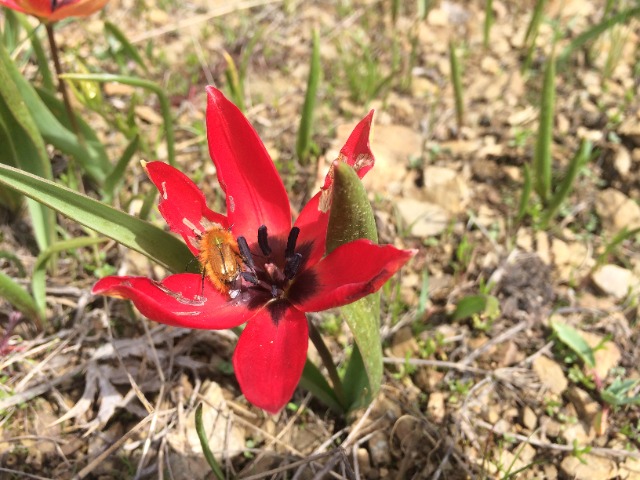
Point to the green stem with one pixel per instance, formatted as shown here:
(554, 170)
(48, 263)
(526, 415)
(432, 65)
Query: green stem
(62, 88)
(327, 360)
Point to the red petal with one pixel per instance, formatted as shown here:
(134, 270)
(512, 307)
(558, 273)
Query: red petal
(177, 301)
(77, 8)
(255, 193)
(182, 201)
(313, 229)
(356, 152)
(350, 272)
(270, 357)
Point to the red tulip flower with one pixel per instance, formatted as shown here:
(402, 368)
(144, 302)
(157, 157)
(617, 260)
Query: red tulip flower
(257, 268)
(54, 10)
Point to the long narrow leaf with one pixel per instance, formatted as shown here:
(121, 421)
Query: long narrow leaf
(572, 339)
(118, 172)
(25, 145)
(596, 31)
(303, 144)
(92, 160)
(19, 298)
(542, 154)
(313, 381)
(204, 443)
(165, 106)
(129, 49)
(559, 196)
(527, 187)
(456, 80)
(130, 231)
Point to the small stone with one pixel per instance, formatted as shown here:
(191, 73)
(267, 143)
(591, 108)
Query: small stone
(422, 219)
(379, 449)
(364, 462)
(614, 280)
(444, 187)
(586, 406)
(579, 433)
(606, 357)
(529, 418)
(404, 343)
(550, 374)
(617, 211)
(630, 469)
(588, 467)
(436, 406)
(622, 160)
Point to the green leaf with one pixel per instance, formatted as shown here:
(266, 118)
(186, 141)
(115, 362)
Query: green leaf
(456, 80)
(127, 47)
(476, 305)
(53, 131)
(163, 99)
(303, 144)
(143, 237)
(542, 154)
(313, 381)
(38, 277)
(523, 205)
(93, 156)
(563, 190)
(351, 218)
(24, 147)
(19, 298)
(118, 172)
(208, 455)
(617, 393)
(572, 339)
(595, 31)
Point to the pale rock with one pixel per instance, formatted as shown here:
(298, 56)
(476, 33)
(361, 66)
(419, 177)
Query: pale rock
(404, 343)
(436, 406)
(617, 211)
(437, 17)
(570, 259)
(629, 469)
(379, 449)
(422, 219)
(607, 356)
(588, 467)
(529, 418)
(444, 187)
(542, 247)
(586, 406)
(364, 462)
(615, 280)
(523, 116)
(630, 128)
(550, 374)
(622, 160)
(580, 433)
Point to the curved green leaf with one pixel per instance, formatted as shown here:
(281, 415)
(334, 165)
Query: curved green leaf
(141, 236)
(352, 218)
(19, 298)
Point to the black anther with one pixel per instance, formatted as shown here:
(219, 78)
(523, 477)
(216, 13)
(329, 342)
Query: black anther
(54, 4)
(263, 240)
(291, 266)
(250, 277)
(246, 253)
(291, 242)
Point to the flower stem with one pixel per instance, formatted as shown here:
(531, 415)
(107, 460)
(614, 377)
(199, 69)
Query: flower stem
(327, 360)
(62, 88)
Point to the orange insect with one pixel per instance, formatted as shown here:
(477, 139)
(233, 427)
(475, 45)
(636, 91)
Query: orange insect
(220, 258)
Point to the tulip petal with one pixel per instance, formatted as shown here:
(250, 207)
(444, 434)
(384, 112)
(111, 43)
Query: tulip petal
(255, 193)
(179, 301)
(270, 356)
(350, 272)
(182, 204)
(313, 229)
(75, 8)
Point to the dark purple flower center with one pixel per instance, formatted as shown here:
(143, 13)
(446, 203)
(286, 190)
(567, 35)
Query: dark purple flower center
(271, 264)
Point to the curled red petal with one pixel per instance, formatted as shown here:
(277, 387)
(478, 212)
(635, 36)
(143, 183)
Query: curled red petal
(356, 152)
(178, 301)
(182, 204)
(352, 271)
(49, 11)
(255, 193)
(270, 357)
